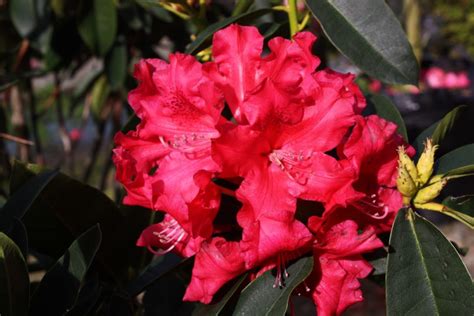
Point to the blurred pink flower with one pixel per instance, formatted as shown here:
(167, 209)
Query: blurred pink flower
(75, 134)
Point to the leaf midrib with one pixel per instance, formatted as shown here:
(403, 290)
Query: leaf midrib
(354, 29)
(424, 265)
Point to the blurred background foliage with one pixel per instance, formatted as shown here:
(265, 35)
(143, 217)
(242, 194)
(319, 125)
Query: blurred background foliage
(66, 67)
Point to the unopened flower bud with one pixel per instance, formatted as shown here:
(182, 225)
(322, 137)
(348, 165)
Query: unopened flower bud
(426, 162)
(405, 162)
(430, 192)
(405, 184)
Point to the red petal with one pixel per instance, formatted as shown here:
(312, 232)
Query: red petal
(339, 287)
(186, 102)
(267, 217)
(236, 51)
(217, 262)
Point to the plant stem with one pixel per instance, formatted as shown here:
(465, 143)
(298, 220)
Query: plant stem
(293, 17)
(241, 7)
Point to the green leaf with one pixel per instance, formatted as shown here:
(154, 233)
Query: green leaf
(131, 124)
(202, 39)
(14, 281)
(100, 92)
(155, 270)
(456, 162)
(425, 275)
(23, 15)
(460, 208)
(383, 107)
(66, 208)
(464, 204)
(260, 298)
(19, 203)
(99, 27)
(58, 291)
(116, 66)
(216, 309)
(441, 129)
(369, 34)
(447, 123)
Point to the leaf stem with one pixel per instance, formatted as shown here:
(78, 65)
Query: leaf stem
(293, 17)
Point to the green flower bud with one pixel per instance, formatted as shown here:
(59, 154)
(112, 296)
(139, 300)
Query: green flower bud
(430, 192)
(426, 162)
(408, 164)
(405, 184)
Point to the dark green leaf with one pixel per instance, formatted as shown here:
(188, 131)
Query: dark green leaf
(23, 15)
(447, 123)
(99, 26)
(153, 272)
(370, 35)
(383, 107)
(440, 129)
(425, 275)
(201, 40)
(165, 295)
(443, 128)
(132, 122)
(14, 282)
(67, 207)
(215, 309)
(59, 288)
(464, 204)
(261, 298)
(458, 161)
(116, 66)
(19, 203)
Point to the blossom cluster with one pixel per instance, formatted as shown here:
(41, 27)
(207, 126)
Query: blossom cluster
(288, 143)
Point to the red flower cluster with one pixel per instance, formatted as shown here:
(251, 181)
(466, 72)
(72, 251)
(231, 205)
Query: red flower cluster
(297, 134)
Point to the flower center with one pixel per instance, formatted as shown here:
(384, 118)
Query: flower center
(296, 165)
(193, 145)
(282, 273)
(169, 235)
(372, 206)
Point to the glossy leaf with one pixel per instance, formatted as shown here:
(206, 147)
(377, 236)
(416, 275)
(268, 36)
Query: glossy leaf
(99, 26)
(14, 281)
(66, 208)
(369, 34)
(464, 204)
(116, 66)
(425, 274)
(458, 161)
(383, 107)
(440, 129)
(156, 269)
(202, 39)
(59, 288)
(461, 208)
(19, 203)
(260, 298)
(216, 309)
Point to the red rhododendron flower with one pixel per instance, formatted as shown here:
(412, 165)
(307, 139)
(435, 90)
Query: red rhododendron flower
(296, 134)
(166, 163)
(372, 149)
(337, 250)
(218, 262)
